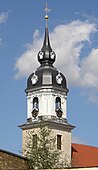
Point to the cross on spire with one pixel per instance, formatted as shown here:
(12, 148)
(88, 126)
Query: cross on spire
(47, 9)
(46, 16)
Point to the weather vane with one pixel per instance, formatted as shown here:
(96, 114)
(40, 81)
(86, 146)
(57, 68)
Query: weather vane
(46, 16)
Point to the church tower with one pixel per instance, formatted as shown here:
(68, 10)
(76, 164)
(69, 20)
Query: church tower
(46, 99)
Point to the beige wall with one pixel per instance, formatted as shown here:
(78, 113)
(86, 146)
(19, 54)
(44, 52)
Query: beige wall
(65, 141)
(24, 138)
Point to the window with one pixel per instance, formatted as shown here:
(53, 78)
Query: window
(59, 142)
(34, 142)
(35, 103)
(57, 103)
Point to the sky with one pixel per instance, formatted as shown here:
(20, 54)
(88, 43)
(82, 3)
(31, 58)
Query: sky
(73, 30)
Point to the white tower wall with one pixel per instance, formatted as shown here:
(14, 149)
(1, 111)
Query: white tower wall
(46, 98)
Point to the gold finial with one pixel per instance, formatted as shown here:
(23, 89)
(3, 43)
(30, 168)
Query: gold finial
(46, 16)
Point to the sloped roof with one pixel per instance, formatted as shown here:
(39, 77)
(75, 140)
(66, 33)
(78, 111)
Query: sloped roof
(9, 160)
(84, 155)
(13, 154)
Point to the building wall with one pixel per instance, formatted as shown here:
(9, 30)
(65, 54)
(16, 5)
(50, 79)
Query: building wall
(46, 99)
(12, 161)
(65, 141)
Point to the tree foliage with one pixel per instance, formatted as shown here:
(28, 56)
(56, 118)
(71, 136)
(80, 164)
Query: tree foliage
(45, 155)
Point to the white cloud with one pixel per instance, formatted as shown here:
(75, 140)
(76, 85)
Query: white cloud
(27, 62)
(69, 46)
(67, 41)
(89, 70)
(3, 17)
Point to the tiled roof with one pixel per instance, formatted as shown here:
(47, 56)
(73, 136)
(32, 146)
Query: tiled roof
(84, 155)
(13, 154)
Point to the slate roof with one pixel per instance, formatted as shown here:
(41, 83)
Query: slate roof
(47, 75)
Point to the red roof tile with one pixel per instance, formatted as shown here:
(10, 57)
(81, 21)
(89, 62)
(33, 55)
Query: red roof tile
(84, 155)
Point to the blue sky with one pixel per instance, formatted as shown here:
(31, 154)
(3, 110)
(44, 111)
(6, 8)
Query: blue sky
(73, 27)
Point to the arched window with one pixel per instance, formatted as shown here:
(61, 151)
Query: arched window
(35, 103)
(57, 103)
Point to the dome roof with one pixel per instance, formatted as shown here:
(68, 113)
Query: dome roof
(46, 76)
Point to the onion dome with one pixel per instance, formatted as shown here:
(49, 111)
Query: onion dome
(46, 55)
(46, 76)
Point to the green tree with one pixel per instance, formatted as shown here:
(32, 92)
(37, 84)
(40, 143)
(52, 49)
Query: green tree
(44, 155)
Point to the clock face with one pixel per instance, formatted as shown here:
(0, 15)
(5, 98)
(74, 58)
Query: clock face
(59, 79)
(41, 54)
(34, 79)
(52, 55)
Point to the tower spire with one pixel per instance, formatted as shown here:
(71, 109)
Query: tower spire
(46, 55)
(46, 16)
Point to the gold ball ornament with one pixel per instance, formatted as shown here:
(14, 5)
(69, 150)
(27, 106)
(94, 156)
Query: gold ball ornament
(46, 16)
